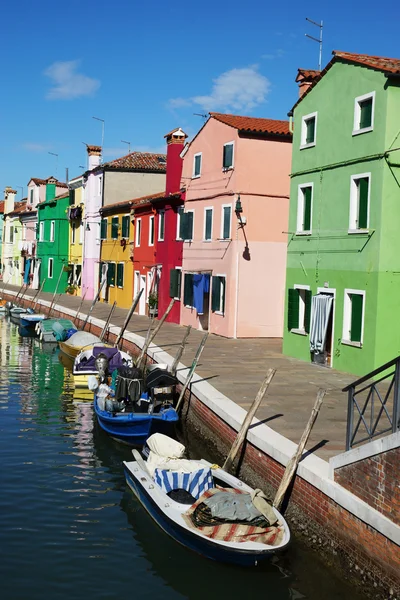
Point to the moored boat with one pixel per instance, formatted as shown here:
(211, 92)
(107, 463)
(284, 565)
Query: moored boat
(206, 509)
(30, 320)
(79, 341)
(85, 362)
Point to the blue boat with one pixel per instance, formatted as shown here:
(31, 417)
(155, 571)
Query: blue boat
(138, 409)
(30, 320)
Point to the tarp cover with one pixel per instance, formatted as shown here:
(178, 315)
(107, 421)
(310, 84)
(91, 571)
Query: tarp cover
(82, 338)
(116, 360)
(196, 481)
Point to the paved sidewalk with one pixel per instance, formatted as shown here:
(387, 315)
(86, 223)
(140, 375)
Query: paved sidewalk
(237, 367)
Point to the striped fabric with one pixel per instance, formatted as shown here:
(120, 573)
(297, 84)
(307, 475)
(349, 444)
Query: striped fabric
(196, 482)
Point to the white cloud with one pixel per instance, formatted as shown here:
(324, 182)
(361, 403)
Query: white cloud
(237, 89)
(276, 54)
(36, 147)
(68, 83)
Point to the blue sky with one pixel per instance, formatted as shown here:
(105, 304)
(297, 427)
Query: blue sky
(145, 68)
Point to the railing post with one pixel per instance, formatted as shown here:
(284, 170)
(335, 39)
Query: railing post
(396, 399)
(350, 417)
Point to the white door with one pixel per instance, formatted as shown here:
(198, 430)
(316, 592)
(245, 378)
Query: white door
(136, 286)
(142, 301)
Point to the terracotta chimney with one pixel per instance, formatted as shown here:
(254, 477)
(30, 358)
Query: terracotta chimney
(305, 78)
(175, 143)
(94, 156)
(9, 200)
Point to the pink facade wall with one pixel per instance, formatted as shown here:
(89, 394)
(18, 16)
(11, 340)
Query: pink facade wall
(255, 271)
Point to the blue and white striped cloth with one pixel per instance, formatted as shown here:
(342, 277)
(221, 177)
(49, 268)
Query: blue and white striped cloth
(196, 482)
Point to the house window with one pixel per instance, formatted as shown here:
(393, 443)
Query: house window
(125, 226)
(103, 232)
(299, 309)
(179, 214)
(359, 202)
(364, 113)
(304, 208)
(81, 232)
(197, 165)
(353, 317)
(100, 185)
(98, 233)
(308, 130)
(24, 231)
(188, 290)
(227, 157)
(226, 222)
(41, 231)
(151, 231)
(175, 280)
(208, 218)
(186, 225)
(114, 228)
(218, 294)
(11, 237)
(77, 274)
(50, 268)
(111, 274)
(138, 232)
(52, 230)
(120, 275)
(30, 196)
(73, 233)
(161, 225)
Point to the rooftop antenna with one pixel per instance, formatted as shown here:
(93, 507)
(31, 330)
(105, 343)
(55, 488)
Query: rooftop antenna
(319, 40)
(56, 155)
(102, 135)
(66, 174)
(129, 145)
(200, 115)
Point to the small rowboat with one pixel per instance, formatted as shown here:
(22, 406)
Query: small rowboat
(84, 363)
(79, 341)
(174, 517)
(30, 320)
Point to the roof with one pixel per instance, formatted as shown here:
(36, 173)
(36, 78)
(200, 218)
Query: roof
(38, 181)
(307, 74)
(138, 161)
(116, 206)
(2, 207)
(55, 199)
(253, 124)
(18, 208)
(389, 66)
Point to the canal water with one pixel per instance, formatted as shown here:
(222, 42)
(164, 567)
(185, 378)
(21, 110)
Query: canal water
(70, 528)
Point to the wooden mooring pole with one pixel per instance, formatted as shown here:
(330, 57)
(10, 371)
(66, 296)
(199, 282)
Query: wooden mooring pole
(106, 324)
(242, 433)
(80, 306)
(153, 334)
(97, 296)
(191, 370)
(36, 296)
(180, 351)
(294, 461)
(128, 317)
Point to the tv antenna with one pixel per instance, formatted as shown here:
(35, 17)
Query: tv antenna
(200, 115)
(319, 40)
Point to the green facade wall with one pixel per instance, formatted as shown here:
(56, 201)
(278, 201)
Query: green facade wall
(331, 257)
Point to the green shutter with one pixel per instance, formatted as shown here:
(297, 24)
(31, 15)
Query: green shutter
(356, 317)
(363, 185)
(125, 226)
(114, 228)
(190, 225)
(104, 229)
(197, 165)
(307, 194)
(186, 227)
(293, 309)
(310, 125)
(174, 278)
(228, 156)
(188, 290)
(208, 228)
(182, 226)
(120, 274)
(366, 113)
(215, 293)
(226, 234)
(111, 274)
(222, 285)
(307, 310)
(71, 196)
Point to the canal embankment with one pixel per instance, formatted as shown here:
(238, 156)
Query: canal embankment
(355, 535)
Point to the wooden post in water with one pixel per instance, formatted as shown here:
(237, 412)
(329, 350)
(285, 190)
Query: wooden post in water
(242, 433)
(55, 291)
(18, 293)
(108, 321)
(80, 306)
(53, 303)
(128, 316)
(97, 296)
(36, 297)
(153, 334)
(294, 461)
(191, 370)
(180, 351)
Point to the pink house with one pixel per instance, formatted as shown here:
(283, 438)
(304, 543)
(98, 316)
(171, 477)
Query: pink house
(236, 176)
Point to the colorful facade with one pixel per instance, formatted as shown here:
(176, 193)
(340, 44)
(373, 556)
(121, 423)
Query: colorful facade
(236, 175)
(1, 236)
(76, 218)
(343, 248)
(12, 236)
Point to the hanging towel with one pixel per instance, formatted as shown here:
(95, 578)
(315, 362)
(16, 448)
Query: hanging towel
(198, 292)
(27, 271)
(320, 311)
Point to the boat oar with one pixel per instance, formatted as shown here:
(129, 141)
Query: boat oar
(153, 334)
(80, 306)
(191, 370)
(291, 467)
(106, 324)
(242, 433)
(97, 296)
(128, 317)
(36, 297)
(180, 351)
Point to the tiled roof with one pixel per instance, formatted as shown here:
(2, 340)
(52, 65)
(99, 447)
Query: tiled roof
(38, 181)
(140, 161)
(253, 124)
(307, 74)
(18, 208)
(2, 207)
(136, 202)
(116, 206)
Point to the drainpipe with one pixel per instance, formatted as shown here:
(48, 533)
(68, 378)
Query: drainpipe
(290, 115)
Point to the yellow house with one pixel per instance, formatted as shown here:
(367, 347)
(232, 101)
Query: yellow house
(116, 254)
(76, 213)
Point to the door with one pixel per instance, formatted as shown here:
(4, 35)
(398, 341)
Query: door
(142, 301)
(205, 316)
(321, 329)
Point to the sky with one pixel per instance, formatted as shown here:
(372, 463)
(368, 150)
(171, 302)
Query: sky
(145, 68)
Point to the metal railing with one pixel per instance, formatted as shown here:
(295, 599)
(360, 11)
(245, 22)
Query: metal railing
(373, 409)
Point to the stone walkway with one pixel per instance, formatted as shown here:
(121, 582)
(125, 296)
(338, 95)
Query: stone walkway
(237, 367)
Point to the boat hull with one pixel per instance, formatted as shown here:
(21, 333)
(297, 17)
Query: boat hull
(31, 320)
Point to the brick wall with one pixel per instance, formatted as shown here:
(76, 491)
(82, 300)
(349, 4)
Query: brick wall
(375, 480)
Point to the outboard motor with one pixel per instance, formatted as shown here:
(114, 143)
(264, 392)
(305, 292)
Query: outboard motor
(101, 365)
(160, 385)
(9, 306)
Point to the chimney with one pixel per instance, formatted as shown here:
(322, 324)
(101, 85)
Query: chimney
(51, 184)
(305, 78)
(175, 144)
(94, 156)
(9, 200)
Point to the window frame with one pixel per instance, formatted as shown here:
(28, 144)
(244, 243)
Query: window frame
(303, 132)
(138, 232)
(114, 227)
(180, 210)
(347, 315)
(180, 284)
(121, 287)
(357, 113)
(31, 195)
(300, 208)
(179, 221)
(208, 209)
(41, 231)
(103, 220)
(50, 260)
(194, 175)
(354, 203)
(222, 295)
(222, 238)
(151, 230)
(126, 216)
(232, 143)
(52, 230)
(73, 233)
(161, 219)
(113, 285)
(301, 329)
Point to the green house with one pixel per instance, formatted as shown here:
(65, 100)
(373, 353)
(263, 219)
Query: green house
(343, 261)
(52, 239)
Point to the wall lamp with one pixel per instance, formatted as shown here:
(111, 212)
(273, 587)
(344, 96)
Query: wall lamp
(238, 206)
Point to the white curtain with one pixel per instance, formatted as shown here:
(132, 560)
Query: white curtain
(35, 280)
(320, 312)
(104, 270)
